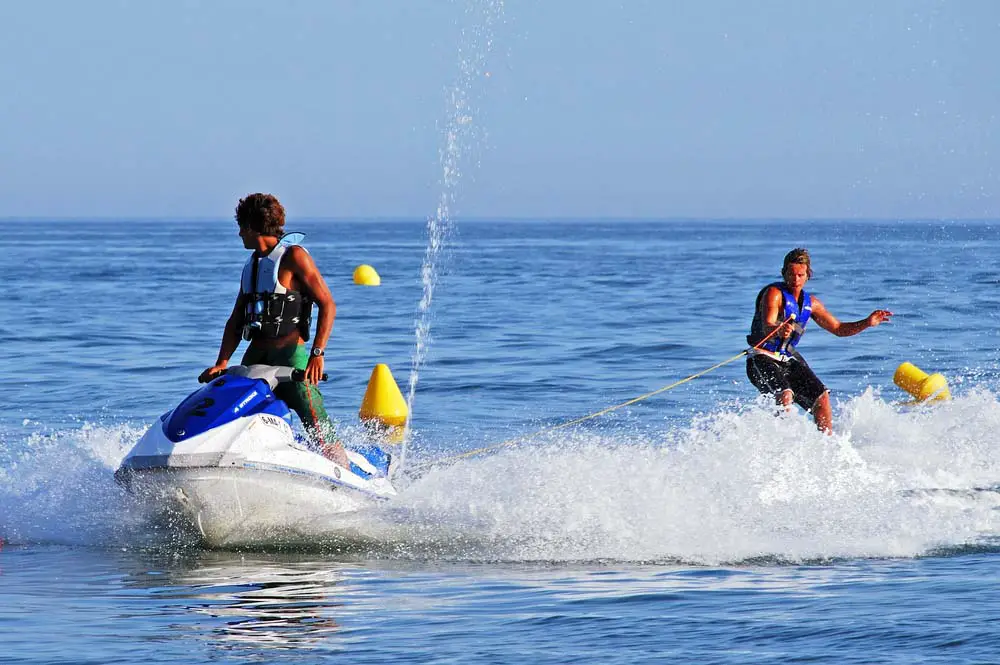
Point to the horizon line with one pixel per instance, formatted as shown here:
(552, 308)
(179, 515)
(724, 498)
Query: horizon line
(481, 219)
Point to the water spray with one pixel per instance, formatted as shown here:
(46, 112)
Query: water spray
(460, 131)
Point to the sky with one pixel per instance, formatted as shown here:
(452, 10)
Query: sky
(572, 108)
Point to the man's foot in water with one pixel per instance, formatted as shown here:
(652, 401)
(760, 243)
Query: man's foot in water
(335, 453)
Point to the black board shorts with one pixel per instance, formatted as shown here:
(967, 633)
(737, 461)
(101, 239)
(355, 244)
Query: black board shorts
(773, 377)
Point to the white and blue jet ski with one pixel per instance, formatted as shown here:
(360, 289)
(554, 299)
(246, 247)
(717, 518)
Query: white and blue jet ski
(228, 461)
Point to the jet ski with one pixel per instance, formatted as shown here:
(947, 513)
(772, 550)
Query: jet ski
(228, 462)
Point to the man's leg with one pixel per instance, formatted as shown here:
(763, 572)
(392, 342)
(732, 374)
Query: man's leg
(811, 394)
(770, 377)
(823, 414)
(307, 403)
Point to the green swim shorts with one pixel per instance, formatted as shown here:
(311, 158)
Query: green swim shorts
(301, 397)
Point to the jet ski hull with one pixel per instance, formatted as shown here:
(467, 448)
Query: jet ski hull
(250, 507)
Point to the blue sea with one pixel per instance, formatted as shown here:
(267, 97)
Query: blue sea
(697, 525)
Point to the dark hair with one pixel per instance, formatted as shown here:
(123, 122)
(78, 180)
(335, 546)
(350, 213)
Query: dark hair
(262, 213)
(799, 255)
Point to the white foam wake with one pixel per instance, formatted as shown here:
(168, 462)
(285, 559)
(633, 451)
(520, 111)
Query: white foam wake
(735, 485)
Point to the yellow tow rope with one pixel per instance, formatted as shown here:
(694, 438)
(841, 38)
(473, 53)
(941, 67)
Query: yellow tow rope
(546, 430)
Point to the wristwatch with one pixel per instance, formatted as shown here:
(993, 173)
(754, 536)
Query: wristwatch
(316, 352)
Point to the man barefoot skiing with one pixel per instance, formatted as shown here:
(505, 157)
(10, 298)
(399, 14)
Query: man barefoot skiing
(776, 367)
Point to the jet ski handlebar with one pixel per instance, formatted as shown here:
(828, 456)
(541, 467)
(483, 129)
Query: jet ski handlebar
(300, 375)
(273, 374)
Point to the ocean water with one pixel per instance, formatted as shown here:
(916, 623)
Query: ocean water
(698, 525)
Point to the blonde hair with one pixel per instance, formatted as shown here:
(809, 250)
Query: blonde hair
(800, 256)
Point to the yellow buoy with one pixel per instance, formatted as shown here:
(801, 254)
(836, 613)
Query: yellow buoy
(365, 275)
(915, 381)
(383, 409)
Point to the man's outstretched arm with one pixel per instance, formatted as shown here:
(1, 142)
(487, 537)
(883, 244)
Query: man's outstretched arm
(827, 321)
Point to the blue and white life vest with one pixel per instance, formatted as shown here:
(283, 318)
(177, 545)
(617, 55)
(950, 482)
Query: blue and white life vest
(272, 311)
(801, 311)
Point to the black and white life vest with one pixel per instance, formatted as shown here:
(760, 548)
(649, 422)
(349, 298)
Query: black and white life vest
(272, 311)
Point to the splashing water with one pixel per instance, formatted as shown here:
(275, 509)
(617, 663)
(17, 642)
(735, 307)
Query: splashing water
(730, 486)
(461, 133)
